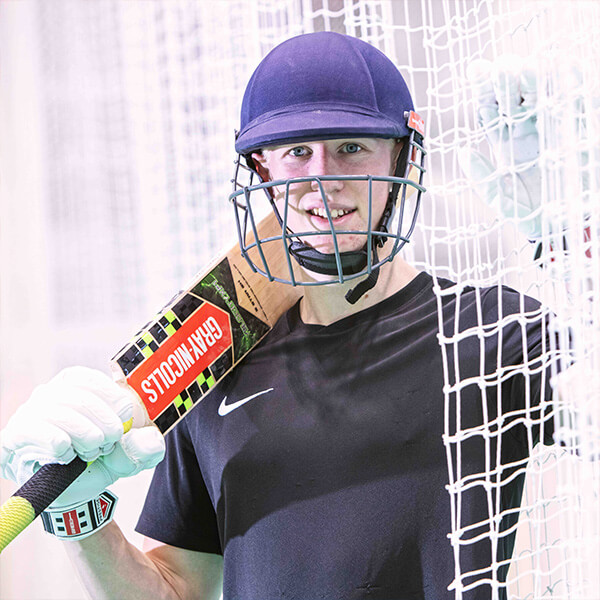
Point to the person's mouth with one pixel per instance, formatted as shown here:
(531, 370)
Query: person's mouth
(338, 215)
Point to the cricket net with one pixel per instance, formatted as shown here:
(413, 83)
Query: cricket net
(118, 122)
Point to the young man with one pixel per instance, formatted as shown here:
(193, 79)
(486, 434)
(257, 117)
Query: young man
(317, 468)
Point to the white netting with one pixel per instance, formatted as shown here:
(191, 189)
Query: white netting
(557, 548)
(117, 152)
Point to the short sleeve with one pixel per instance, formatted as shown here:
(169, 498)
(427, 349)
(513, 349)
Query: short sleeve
(178, 509)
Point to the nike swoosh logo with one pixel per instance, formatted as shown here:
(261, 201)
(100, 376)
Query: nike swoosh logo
(225, 409)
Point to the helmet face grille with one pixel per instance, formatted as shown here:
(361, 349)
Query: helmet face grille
(323, 85)
(249, 194)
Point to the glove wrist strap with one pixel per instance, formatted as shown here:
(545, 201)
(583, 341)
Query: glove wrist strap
(80, 520)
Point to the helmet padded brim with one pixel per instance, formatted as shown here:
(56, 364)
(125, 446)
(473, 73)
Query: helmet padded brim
(316, 123)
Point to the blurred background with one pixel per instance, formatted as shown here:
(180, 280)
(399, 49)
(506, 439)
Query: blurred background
(117, 124)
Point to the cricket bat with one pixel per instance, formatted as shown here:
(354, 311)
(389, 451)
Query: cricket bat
(176, 359)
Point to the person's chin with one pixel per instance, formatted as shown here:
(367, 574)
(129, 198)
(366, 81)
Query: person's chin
(345, 243)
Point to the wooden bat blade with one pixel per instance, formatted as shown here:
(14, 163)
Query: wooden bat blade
(203, 333)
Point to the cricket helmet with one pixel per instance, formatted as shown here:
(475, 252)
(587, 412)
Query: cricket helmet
(322, 86)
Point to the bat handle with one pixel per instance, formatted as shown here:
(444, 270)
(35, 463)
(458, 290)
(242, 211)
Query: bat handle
(34, 496)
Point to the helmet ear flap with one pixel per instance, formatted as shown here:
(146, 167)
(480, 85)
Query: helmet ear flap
(400, 170)
(261, 172)
(257, 167)
(250, 162)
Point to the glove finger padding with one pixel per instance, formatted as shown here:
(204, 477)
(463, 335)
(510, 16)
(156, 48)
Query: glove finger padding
(528, 85)
(505, 81)
(479, 74)
(80, 411)
(21, 456)
(138, 449)
(505, 95)
(118, 398)
(93, 428)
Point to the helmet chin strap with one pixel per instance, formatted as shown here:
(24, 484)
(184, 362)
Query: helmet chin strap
(357, 292)
(325, 264)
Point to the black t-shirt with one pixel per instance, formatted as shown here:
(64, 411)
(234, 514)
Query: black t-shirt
(320, 466)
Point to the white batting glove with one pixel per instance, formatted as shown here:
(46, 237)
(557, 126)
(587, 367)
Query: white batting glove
(80, 412)
(506, 96)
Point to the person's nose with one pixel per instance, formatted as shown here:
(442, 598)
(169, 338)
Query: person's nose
(323, 164)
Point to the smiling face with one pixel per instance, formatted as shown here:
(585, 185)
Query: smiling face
(347, 200)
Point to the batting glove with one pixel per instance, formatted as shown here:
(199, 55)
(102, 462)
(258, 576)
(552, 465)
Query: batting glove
(80, 412)
(506, 96)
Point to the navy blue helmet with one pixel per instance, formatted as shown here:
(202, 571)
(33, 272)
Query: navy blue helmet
(323, 86)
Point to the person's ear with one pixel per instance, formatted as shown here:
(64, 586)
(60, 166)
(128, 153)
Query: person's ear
(260, 162)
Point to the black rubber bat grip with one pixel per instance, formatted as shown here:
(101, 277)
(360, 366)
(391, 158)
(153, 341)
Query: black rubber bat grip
(35, 495)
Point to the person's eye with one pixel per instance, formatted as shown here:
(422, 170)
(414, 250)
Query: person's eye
(299, 151)
(351, 148)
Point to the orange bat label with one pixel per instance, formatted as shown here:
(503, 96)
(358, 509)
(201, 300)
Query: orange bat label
(204, 336)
